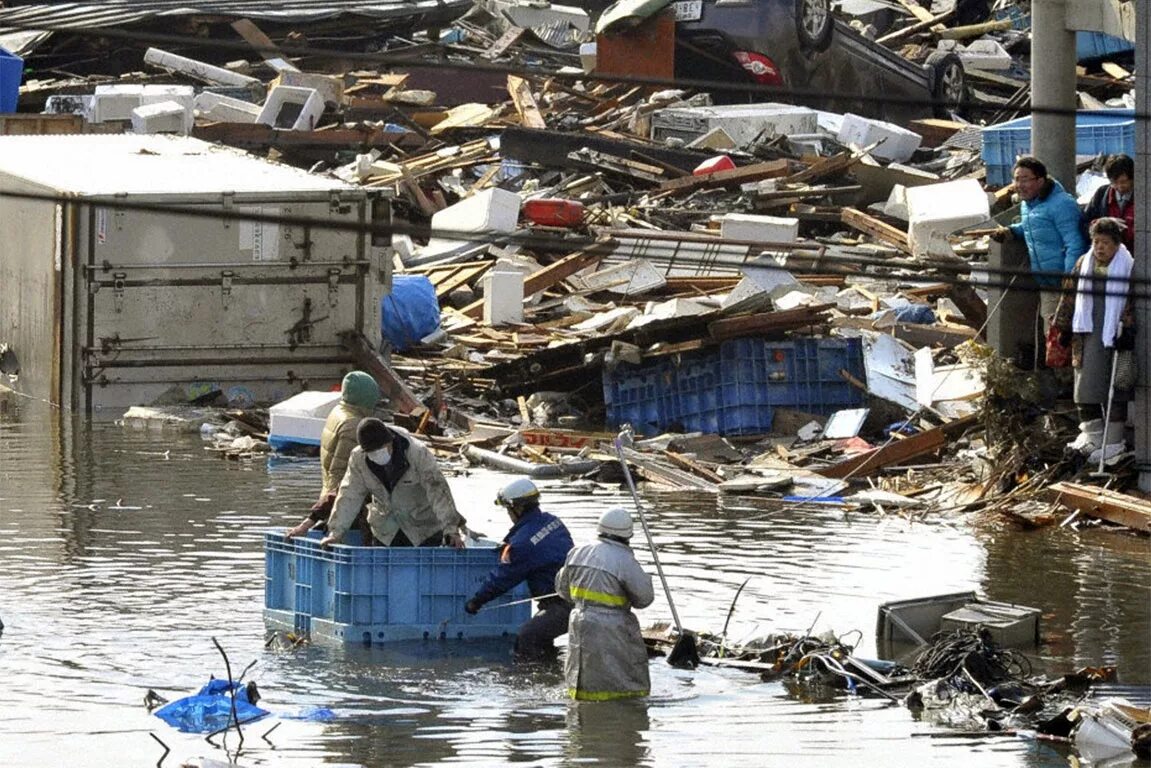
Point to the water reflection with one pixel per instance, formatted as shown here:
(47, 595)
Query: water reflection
(124, 553)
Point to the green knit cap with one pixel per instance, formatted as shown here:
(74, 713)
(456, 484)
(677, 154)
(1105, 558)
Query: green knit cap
(360, 389)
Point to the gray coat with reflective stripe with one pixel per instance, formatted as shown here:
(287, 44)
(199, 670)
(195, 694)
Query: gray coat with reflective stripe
(606, 655)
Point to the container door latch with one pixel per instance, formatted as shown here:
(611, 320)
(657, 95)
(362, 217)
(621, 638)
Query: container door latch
(226, 287)
(118, 279)
(333, 287)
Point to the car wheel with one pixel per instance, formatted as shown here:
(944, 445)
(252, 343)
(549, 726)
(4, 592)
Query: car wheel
(813, 23)
(948, 83)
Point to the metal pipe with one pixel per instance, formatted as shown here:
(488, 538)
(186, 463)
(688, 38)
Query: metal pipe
(521, 467)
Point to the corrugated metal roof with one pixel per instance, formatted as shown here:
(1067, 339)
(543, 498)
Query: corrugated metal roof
(125, 12)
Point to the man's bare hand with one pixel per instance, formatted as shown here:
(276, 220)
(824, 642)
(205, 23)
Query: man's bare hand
(455, 540)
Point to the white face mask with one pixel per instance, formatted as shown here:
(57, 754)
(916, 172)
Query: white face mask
(380, 455)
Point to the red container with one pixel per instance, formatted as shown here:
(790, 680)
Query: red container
(713, 165)
(554, 212)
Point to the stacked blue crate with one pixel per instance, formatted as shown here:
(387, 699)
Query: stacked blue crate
(1099, 132)
(640, 395)
(696, 394)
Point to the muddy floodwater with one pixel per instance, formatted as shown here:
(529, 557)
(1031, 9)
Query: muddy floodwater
(123, 553)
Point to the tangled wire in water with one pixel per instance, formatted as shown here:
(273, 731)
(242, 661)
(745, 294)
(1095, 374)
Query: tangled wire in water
(962, 655)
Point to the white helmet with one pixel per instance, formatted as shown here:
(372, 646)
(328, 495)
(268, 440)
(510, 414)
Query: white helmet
(615, 522)
(517, 494)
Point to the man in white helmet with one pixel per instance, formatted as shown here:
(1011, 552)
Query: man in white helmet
(606, 658)
(533, 551)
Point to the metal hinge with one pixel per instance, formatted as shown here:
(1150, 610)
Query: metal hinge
(333, 286)
(118, 279)
(226, 287)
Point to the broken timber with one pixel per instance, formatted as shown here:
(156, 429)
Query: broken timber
(549, 275)
(881, 231)
(897, 451)
(403, 399)
(1106, 505)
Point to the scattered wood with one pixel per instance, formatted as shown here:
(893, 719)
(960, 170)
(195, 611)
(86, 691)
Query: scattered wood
(1114, 507)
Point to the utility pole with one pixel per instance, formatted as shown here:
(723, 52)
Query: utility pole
(1053, 83)
(1142, 271)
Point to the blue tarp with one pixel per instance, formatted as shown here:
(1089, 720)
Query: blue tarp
(210, 710)
(410, 312)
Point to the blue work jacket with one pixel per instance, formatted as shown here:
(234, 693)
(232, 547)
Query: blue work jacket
(534, 549)
(1050, 224)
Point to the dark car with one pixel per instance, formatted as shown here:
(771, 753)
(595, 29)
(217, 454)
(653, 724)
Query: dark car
(801, 46)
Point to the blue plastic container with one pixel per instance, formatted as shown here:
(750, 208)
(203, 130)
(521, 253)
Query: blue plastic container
(11, 70)
(735, 390)
(369, 595)
(1096, 45)
(1105, 132)
(643, 396)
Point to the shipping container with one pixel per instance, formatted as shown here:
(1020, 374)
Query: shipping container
(137, 269)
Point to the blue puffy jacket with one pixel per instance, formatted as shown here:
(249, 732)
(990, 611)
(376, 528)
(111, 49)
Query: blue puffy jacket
(1051, 226)
(534, 549)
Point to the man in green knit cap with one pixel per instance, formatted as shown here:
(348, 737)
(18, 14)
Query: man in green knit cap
(359, 394)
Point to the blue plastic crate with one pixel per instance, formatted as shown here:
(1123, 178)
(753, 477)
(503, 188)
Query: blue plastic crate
(1100, 132)
(696, 390)
(1096, 45)
(380, 594)
(279, 573)
(11, 70)
(758, 376)
(642, 396)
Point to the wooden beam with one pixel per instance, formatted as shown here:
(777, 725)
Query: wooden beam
(773, 169)
(881, 231)
(932, 22)
(267, 49)
(403, 399)
(549, 275)
(529, 111)
(765, 322)
(897, 451)
(1106, 505)
(509, 38)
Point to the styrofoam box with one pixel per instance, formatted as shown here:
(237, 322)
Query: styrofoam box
(300, 418)
(768, 229)
(162, 117)
(899, 143)
(115, 102)
(225, 109)
(936, 210)
(495, 210)
(742, 122)
(290, 108)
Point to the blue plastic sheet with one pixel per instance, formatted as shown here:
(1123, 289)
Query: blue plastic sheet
(410, 312)
(920, 314)
(210, 709)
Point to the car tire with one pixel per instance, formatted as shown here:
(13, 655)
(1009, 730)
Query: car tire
(814, 23)
(948, 83)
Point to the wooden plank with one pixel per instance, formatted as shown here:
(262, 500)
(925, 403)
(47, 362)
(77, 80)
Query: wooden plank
(509, 38)
(529, 111)
(1104, 504)
(403, 399)
(684, 462)
(932, 22)
(549, 275)
(267, 49)
(881, 231)
(40, 125)
(898, 451)
(764, 322)
(772, 169)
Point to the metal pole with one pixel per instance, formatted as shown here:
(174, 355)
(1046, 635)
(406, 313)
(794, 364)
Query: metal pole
(1053, 82)
(647, 533)
(1142, 271)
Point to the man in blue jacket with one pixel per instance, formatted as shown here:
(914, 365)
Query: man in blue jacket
(1051, 225)
(534, 550)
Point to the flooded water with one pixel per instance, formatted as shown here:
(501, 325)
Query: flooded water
(124, 553)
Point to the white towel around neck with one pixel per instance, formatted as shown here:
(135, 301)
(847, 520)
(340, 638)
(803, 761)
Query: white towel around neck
(1118, 272)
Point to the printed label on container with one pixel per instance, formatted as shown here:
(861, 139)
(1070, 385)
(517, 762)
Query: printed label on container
(262, 238)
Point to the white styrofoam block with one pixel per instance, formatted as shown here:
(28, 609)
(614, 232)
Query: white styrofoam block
(936, 210)
(767, 229)
(331, 88)
(225, 109)
(495, 210)
(115, 102)
(182, 94)
(301, 417)
(898, 145)
(743, 122)
(587, 55)
(162, 117)
(292, 109)
(984, 53)
(503, 296)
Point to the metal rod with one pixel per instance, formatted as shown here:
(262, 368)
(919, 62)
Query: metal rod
(647, 534)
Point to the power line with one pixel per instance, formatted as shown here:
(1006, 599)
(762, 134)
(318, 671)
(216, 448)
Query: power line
(405, 59)
(820, 262)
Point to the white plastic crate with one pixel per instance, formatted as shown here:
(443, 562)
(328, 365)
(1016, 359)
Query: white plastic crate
(899, 144)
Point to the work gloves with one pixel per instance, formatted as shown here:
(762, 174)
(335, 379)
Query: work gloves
(472, 607)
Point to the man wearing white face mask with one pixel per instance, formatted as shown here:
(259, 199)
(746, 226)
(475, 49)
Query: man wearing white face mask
(411, 502)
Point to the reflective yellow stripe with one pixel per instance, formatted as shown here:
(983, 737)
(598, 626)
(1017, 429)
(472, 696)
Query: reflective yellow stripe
(579, 695)
(603, 598)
